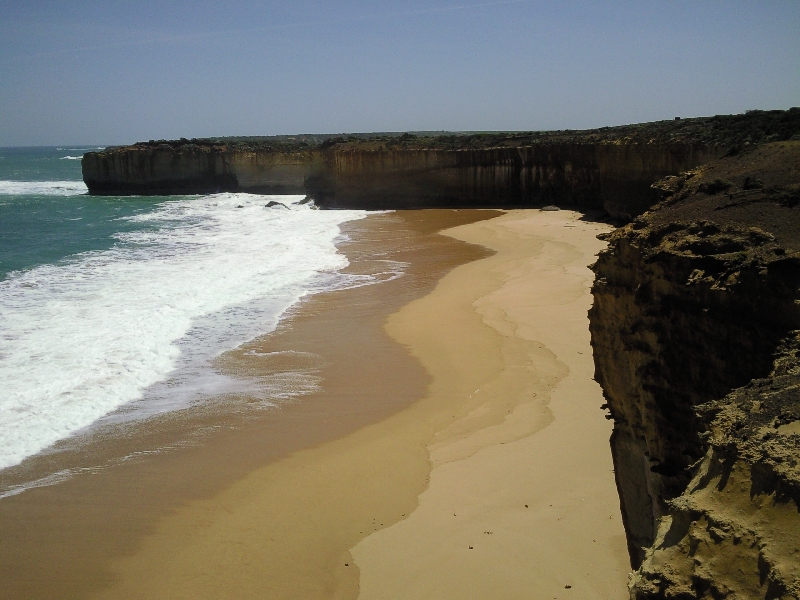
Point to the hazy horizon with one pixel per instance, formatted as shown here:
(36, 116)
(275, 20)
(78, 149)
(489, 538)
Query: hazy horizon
(86, 73)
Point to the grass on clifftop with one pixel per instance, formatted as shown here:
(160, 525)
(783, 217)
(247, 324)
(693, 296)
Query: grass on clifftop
(735, 132)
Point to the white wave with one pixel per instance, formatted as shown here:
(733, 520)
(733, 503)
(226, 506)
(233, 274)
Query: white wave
(81, 339)
(65, 474)
(48, 480)
(42, 188)
(71, 157)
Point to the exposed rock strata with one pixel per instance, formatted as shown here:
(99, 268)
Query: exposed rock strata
(692, 302)
(585, 175)
(735, 532)
(610, 168)
(611, 176)
(170, 168)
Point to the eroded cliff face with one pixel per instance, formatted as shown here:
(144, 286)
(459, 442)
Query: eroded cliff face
(612, 176)
(692, 302)
(610, 168)
(735, 531)
(180, 168)
(616, 177)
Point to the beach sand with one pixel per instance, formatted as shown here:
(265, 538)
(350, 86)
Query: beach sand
(510, 418)
(521, 501)
(455, 449)
(114, 485)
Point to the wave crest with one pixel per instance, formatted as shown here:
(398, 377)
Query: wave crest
(42, 188)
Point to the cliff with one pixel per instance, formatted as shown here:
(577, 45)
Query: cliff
(196, 168)
(610, 168)
(616, 177)
(695, 334)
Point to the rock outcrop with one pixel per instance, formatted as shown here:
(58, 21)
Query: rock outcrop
(735, 531)
(610, 168)
(694, 329)
(360, 176)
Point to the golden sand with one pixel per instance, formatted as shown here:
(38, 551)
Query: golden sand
(62, 541)
(455, 448)
(496, 484)
(521, 501)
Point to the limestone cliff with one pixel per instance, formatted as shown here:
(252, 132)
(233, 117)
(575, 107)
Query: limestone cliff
(583, 175)
(610, 168)
(616, 177)
(188, 168)
(692, 302)
(735, 531)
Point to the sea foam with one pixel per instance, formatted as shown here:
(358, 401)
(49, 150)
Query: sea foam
(84, 337)
(42, 188)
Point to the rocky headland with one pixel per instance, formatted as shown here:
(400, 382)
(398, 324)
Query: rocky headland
(610, 168)
(695, 328)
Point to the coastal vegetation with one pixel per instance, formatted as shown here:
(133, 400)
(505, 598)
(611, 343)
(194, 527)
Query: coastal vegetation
(734, 131)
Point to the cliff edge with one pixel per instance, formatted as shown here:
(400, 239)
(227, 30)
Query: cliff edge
(695, 330)
(610, 168)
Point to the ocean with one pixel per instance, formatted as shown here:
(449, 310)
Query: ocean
(113, 308)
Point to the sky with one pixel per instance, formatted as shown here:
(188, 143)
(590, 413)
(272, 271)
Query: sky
(115, 72)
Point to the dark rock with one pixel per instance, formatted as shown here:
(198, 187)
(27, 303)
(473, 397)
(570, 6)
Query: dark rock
(735, 531)
(696, 305)
(751, 183)
(714, 187)
(610, 168)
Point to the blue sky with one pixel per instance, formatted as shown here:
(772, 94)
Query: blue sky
(107, 72)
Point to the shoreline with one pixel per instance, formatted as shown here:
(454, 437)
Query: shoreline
(442, 392)
(365, 515)
(59, 541)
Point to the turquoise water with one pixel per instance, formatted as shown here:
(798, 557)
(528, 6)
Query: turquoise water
(113, 308)
(38, 228)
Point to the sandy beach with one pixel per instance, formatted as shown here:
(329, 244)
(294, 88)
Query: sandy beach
(91, 500)
(520, 501)
(455, 448)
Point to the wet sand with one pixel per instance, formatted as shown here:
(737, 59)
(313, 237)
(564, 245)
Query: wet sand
(455, 448)
(62, 541)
